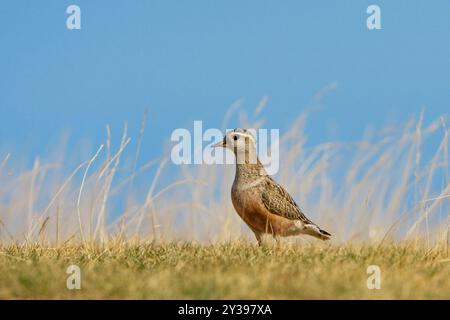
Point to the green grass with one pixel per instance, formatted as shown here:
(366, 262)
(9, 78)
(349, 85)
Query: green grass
(236, 270)
(383, 188)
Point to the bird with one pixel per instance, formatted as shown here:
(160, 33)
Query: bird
(263, 204)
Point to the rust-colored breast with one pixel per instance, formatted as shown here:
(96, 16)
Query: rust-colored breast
(250, 208)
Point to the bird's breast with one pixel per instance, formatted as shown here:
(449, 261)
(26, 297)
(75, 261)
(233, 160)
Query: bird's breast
(245, 201)
(249, 206)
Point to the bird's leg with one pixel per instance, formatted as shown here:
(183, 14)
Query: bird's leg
(258, 237)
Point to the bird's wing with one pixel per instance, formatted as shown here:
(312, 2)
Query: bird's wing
(278, 201)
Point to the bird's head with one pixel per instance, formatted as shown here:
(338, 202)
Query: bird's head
(242, 143)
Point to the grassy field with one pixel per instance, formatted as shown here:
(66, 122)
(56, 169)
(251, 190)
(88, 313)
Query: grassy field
(236, 270)
(383, 188)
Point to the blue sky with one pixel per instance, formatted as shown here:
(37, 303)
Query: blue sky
(189, 60)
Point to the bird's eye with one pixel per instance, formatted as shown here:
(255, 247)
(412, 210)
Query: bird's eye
(235, 138)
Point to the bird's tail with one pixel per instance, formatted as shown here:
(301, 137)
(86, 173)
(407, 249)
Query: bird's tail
(315, 231)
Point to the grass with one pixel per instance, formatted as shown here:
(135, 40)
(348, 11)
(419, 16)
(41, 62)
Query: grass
(234, 270)
(98, 211)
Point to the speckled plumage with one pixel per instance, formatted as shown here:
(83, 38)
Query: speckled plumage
(264, 205)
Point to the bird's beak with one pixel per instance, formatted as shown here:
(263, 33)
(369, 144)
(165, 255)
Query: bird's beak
(218, 144)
